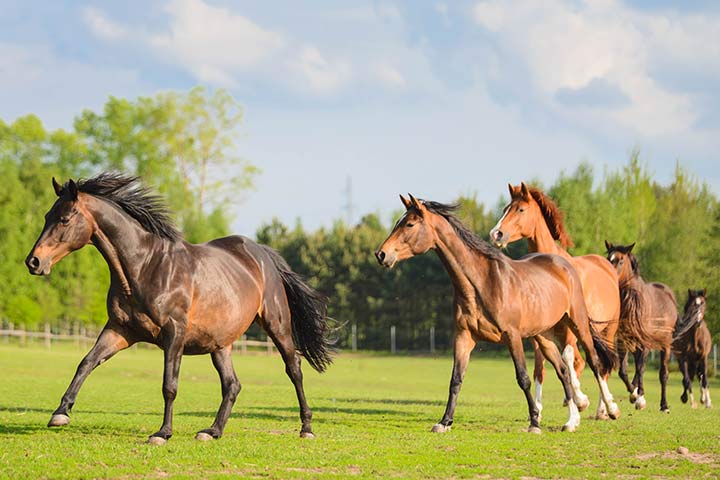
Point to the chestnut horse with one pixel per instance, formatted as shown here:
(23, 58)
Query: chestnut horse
(500, 300)
(533, 215)
(184, 298)
(648, 314)
(691, 345)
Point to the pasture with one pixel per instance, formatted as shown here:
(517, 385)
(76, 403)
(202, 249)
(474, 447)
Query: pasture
(372, 418)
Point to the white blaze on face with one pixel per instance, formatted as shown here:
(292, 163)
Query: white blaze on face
(612, 258)
(698, 300)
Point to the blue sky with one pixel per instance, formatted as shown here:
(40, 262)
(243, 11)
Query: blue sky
(435, 98)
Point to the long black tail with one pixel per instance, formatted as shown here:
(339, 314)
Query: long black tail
(308, 312)
(606, 352)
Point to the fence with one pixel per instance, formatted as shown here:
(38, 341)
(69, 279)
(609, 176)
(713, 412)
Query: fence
(85, 337)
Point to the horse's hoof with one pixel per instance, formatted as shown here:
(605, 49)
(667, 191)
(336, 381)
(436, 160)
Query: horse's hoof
(614, 411)
(602, 416)
(664, 410)
(634, 395)
(156, 441)
(640, 403)
(440, 428)
(202, 436)
(569, 427)
(583, 403)
(58, 420)
(535, 430)
(693, 405)
(307, 435)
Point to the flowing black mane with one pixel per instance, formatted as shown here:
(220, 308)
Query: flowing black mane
(469, 238)
(133, 198)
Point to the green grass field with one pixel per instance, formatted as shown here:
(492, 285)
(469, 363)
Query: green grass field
(372, 418)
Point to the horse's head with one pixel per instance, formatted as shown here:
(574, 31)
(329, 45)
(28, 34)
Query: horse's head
(696, 301)
(519, 217)
(623, 260)
(413, 234)
(68, 227)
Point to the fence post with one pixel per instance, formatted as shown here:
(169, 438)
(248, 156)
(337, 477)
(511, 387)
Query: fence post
(432, 339)
(243, 344)
(11, 327)
(22, 335)
(353, 338)
(392, 339)
(47, 335)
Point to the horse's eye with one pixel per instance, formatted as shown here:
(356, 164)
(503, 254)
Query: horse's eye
(409, 225)
(65, 220)
(521, 210)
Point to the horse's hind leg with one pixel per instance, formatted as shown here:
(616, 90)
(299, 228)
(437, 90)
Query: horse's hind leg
(551, 352)
(279, 328)
(664, 359)
(538, 375)
(108, 344)
(514, 343)
(622, 372)
(463, 345)
(222, 360)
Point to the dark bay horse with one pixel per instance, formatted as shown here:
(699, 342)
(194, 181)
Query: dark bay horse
(501, 300)
(533, 215)
(648, 313)
(691, 345)
(184, 298)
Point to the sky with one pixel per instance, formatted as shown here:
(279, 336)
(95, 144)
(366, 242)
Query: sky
(434, 98)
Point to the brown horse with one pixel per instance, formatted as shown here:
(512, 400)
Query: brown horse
(184, 298)
(533, 215)
(500, 300)
(691, 345)
(648, 313)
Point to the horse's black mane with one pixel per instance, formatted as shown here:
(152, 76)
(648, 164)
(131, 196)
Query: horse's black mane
(469, 238)
(127, 193)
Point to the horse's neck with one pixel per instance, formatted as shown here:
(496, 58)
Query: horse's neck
(467, 268)
(124, 244)
(542, 241)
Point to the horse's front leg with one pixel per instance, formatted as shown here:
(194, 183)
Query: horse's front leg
(109, 342)
(538, 374)
(687, 382)
(622, 372)
(172, 344)
(664, 360)
(704, 389)
(639, 391)
(463, 345)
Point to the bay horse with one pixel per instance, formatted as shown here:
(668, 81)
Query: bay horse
(184, 298)
(500, 300)
(691, 345)
(648, 314)
(533, 215)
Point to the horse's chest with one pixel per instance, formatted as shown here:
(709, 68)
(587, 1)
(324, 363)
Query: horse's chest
(134, 318)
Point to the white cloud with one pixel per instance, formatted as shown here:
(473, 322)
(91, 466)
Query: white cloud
(568, 46)
(389, 75)
(319, 74)
(213, 42)
(102, 26)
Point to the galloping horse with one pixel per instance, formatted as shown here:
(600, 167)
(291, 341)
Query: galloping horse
(184, 298)
(500, 300)
(648, 313)
(691, 345)
(533, 215)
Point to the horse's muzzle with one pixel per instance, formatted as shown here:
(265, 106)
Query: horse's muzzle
(496, 236)
(384, 259)
(37, 267)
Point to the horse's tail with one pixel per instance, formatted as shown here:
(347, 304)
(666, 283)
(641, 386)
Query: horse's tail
(308, 313)
(606, 352)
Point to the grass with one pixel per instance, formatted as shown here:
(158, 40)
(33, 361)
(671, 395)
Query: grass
(372, 416)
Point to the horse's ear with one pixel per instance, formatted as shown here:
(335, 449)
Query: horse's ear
(415, 203)
(73, 189)
(690, 292)
(704, 290)
(511, 190)
(405, 201)
(57, 187)
(525, 191)
(608, 245)
(630, 247)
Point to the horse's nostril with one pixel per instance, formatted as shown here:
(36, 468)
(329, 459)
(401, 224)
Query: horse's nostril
(380, 255)
(33, 262)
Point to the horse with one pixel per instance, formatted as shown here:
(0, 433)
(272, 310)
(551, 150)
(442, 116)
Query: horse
(533, 215)
(691, 345)
(648, 314)
(500, 300)
(185, 298)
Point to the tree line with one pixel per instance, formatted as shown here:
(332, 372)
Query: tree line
(184, 146)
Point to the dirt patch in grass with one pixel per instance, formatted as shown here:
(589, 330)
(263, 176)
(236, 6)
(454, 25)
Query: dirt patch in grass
(701, 458)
